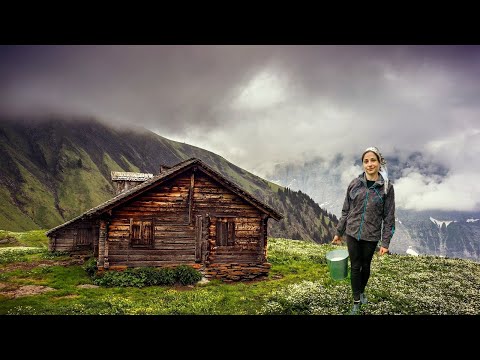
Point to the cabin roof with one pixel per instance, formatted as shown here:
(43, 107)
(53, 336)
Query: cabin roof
(166, 175)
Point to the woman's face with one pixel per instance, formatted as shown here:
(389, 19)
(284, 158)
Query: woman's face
(371, 164)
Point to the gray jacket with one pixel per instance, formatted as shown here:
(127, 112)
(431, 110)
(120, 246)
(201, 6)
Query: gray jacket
(365, 209)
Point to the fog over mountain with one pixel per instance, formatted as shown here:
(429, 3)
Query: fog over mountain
(258, 106)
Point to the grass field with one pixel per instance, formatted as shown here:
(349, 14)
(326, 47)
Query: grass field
(34, 281)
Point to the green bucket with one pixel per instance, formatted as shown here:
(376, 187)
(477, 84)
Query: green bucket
(337, 261)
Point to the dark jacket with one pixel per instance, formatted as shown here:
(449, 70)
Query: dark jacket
(365, 209)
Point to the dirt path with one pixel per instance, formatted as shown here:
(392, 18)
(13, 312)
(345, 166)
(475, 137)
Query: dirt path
(33, 264)
(15, 291)
(25, 290)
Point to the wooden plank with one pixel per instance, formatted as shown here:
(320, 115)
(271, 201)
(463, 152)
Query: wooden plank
(63, 248)
(177, 238)
(64, 240)
(165, 263)
(120, 228)
(250, 226)
(198, 238)
(179, 207)
(235, 259)
(170, 212)
(181, 250)
(125, 246)
(165, 257)
(101, 242)
(241, 233)
(261, 237)
(206, 189)
(161, 198)
(173, 216)
(205, 236)
(220, 251)
(173, 227)
(190, 197)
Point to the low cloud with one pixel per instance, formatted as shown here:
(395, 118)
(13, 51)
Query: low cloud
(458, 192)
(261, 105)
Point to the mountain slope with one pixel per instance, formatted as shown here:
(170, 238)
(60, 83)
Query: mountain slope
(53, 170)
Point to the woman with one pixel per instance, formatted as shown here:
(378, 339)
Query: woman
(368, 216)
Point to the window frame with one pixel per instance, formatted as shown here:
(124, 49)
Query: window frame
(225, 231)
(142, 242)
(84, 232)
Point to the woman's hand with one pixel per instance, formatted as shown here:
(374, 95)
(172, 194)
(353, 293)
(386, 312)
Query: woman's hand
(383, 250)
(337, 240)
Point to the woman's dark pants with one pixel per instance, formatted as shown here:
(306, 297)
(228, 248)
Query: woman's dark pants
(361, 254)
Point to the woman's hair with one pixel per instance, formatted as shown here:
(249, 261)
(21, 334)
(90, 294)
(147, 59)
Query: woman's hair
(377, 152)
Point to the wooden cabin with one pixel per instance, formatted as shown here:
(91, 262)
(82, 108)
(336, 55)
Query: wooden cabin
(188, 214)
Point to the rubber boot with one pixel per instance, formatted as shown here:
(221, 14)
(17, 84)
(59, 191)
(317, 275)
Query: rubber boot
(356, 308)
(363, 299)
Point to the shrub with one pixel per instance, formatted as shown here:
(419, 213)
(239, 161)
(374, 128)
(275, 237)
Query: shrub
(90, 266)
(187, 275)
(16, 254)
(151, 276)
(165, 276)
(120, 279)
(145, 276)
(46, 254)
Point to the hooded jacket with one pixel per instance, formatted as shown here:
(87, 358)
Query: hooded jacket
(368, 213)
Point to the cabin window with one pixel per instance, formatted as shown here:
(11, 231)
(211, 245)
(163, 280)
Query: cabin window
(141, 233)
(84, 236)
(226, 232)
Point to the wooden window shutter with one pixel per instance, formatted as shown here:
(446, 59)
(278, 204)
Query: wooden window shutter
(221, 233)
(231, 232)
(147, 232)
(225, 232)
(84, 236)
(136, 232)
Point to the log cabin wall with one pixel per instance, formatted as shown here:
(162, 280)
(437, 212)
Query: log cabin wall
(154, 229)
(77, 238)
(182, 215)
(235, 236)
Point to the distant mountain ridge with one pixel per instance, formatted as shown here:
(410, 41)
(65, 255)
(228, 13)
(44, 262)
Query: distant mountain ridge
(451, 233)
(55, 169)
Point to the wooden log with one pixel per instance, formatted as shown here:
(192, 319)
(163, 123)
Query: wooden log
(101, 243)
(198, 238)
(246, 259)
(166, 263)
(190, 196)
(154, 252)
(115, 258)
(157, 246)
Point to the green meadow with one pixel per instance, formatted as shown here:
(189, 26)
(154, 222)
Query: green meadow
(35, 281)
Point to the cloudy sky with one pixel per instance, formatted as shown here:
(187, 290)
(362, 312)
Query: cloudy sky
(261, 105)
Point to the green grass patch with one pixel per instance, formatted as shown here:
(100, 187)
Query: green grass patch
(131, 167)
(38, 199)
(83, 187)
(11, 217)
(299, 283)
(32, 238)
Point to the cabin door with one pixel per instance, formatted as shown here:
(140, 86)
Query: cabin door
(84, 237)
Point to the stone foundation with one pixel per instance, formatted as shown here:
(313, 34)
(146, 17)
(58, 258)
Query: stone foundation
(236, 271)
